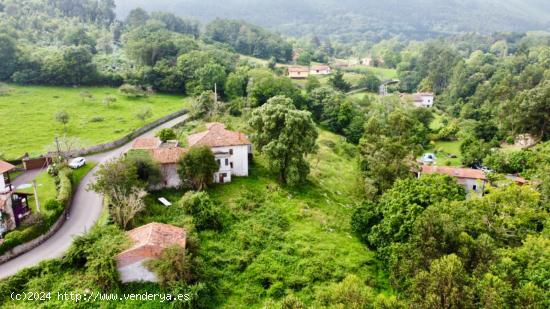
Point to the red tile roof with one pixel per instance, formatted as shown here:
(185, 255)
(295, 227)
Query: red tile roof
(167, 155)
(5, 167)
(298, 69)
(148, 242)
(146, 143)
(217, 136)
(457, 172)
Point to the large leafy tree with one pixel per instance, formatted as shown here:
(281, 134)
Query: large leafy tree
(285, 136)
(8, 56)
(198, 166)
(531, 111)
(388, 148)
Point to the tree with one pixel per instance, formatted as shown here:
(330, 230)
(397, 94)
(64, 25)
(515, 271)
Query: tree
(65, 145)
(137, 17)
(350, 293)
(263, 85)
(370, 82)
(148, 171)
(132, 91)
(444, 286)
(204, 105)
(124, 207)
(198, 166)
(63, 118)
(531, 111)
(235, 85)
(206, 214)
(285, 136)
(8, 56)
(474, 151)
(388, 148)
(167, 134)
(312, 83)
(338, 82)
(144, 114)
(116, 177)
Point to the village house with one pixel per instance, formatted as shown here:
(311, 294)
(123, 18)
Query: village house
(319, 70)
(232, 149)
(13, 205)
(367, 61)
(148, 242)
(471, 179)
(423, 99)
(298, 72)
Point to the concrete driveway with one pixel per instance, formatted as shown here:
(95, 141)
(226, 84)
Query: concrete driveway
(84, 213)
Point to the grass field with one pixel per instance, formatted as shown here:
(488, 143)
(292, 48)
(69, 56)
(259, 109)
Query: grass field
(444, 148)
(28, 116)
(284, 239)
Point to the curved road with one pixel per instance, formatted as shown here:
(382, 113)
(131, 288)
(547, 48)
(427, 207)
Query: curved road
(85, 211)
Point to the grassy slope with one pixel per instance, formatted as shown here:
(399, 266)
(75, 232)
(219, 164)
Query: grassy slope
(28, 122)
(296, 240)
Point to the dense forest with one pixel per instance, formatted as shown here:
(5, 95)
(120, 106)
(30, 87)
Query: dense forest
(334, 213)
(357, 20)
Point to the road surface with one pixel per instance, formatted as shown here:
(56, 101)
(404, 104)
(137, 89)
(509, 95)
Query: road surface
(85, 210)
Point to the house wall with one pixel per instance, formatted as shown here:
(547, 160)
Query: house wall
(170, 175)
(321, 72)
(136, 272)
(427, 101)
(2, 183)
(239, 159)
(298, 74)
(471, 184)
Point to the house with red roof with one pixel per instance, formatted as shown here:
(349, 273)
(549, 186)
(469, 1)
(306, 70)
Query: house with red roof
(298, 72)
(471, 179)
(147, 243)
(232, 150)
(319, 70)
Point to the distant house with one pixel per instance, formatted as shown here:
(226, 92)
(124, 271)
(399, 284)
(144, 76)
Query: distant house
(340, 63)
(232, 150)
(298, 72)
(471, 179)
(367, 61)
(13, 205)
(423, 99)
(319, 70)
(148, 242)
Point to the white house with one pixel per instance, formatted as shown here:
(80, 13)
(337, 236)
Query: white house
(232, 150)
(298, 72)
(5, 169)
(319, 70)
(423, 99)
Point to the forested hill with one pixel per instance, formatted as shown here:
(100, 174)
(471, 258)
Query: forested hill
(352, 20)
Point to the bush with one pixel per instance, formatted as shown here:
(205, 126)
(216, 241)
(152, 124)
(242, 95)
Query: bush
(166, 134)
(97, 119)
(250, 200)
(53, 205)
(206, 214)
(131, 91)
(65, 189)
(175, 265)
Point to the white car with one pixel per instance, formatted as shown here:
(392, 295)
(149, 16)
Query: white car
(77, 162)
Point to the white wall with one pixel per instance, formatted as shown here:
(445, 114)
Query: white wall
(136, 272)
(2, 184)
(239, 159)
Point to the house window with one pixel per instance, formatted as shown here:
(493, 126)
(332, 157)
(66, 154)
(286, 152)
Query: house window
(230, 151)
(219, 163)
(474, 187)
(226, 162)
(231, 164)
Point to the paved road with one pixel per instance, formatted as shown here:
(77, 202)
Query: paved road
(85, 211)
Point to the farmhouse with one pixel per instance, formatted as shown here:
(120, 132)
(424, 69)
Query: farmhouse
(232, 149)
(471, 179)
(148, 242)
(298, 72)
(423, 99)
(319, 70)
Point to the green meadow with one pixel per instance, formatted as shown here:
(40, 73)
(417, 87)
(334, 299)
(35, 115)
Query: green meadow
(29, 124)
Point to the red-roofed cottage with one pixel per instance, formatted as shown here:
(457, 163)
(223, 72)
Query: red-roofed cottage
(232, 150)
(148, 242)
(471, 179)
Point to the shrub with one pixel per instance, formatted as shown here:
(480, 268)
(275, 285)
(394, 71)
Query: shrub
(197, 166)
(206, 214)
(53, 205)
(131, 91)
(65, 186)
(175, 265)
(250, 200)
(97, 119)
(166, 134)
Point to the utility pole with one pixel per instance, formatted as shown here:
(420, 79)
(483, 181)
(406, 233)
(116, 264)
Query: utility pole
(57, 146)
(36, 195)
(216, 93)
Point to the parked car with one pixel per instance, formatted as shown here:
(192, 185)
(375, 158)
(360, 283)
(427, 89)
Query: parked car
(77, 162)
(428, 158)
